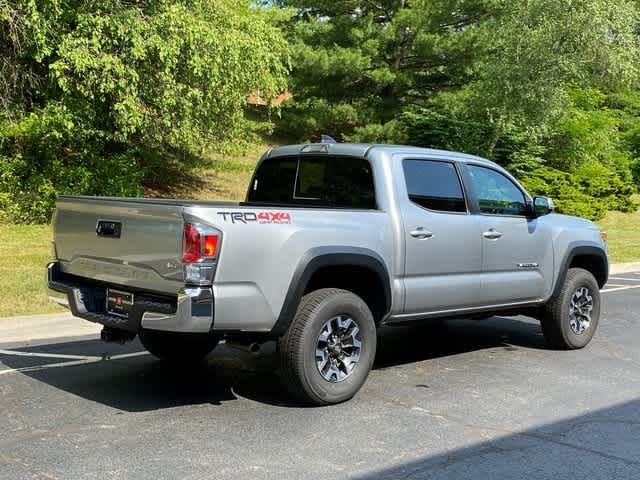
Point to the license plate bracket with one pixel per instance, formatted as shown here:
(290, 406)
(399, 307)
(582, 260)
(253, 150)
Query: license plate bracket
(119, 303)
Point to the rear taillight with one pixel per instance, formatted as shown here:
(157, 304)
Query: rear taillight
(199, 243)
(200, 248)
(191, 244)
(211, 245)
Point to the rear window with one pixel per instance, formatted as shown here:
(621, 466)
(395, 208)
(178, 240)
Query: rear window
(314, 180)
(434, 185)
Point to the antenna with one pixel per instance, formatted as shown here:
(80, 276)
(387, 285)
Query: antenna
(326, 139)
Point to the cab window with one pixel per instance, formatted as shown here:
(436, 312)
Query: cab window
(496, 194)
(434, 185)
(314, 180)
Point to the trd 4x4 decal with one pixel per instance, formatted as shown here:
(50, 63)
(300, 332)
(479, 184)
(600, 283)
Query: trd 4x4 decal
(260, 217)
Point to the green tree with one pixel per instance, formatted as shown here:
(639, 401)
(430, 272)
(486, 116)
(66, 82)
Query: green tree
(505, 80)
(533, 52)
(124, 89)
(361, 63)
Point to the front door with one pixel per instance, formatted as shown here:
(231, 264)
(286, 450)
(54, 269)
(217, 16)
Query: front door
(517, 249)
(443, 260)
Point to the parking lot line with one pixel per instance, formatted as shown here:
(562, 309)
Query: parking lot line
(73, 363)
(628, 287)
(625, 279)
(47, 355)
(128, 355)
(50, 365)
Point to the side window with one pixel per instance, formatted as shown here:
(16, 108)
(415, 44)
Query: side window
(434, 185)
(350, 183)
(496, 194)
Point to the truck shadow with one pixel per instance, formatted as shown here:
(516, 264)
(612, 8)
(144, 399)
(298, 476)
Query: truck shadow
(401, 345)
(139, 382)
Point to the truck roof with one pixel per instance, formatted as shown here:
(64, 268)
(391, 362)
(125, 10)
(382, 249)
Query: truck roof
(363, 150)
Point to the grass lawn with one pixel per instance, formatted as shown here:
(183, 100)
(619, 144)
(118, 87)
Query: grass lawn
(623, 231)
(24, 253)
(225, 178)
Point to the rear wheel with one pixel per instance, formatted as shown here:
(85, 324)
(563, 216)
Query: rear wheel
(329, 348)
(178, 347)
(570, 319)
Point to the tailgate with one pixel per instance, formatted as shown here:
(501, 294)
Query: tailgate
(129, 242)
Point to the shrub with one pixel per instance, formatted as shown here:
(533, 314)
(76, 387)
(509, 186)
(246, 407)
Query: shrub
(589, 193)
(48, 153)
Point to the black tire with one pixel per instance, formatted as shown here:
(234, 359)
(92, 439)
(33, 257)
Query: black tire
(555, 321)
(178, 347)
(300, 373)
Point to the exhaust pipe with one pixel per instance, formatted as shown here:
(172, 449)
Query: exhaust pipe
(249, 347)
(115, 335)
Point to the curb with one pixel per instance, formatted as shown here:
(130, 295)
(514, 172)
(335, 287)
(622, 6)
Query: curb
(33, 328)
(618, 268)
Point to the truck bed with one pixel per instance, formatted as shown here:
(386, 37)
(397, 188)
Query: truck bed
(151, 201)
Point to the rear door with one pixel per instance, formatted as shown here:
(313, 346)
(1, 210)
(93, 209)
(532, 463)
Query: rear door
(443, 259)
(517, 249)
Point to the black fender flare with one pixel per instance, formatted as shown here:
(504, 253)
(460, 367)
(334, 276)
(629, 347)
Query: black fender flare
(320, 257)
(581, 248)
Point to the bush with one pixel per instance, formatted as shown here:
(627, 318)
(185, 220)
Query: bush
(48, 153)
(308, 119)
(394, 131)
(586, 160)
(588, 193)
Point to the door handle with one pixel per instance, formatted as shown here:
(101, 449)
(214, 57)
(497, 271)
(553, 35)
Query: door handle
(421, 233)
(492, 234)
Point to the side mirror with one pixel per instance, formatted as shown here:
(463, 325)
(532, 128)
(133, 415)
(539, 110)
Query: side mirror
(542, 206)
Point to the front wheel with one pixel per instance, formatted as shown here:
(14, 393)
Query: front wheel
(329, 348)
(570, 319)
(178, 347)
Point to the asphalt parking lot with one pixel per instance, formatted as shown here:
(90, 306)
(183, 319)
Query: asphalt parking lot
(483, 399)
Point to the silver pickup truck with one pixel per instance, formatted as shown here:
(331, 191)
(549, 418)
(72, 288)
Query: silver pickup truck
(333, 241)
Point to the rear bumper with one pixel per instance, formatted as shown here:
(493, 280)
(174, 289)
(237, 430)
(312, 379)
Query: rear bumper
(191, 311)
